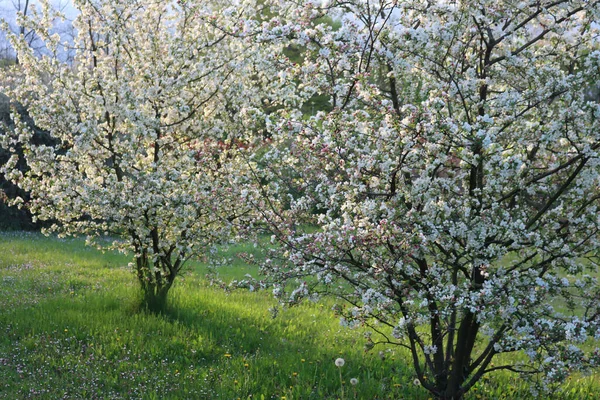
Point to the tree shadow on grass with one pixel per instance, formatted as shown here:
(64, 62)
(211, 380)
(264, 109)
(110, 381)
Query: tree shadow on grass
(207, 345)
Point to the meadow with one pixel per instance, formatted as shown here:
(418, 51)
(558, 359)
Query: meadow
(70, 328)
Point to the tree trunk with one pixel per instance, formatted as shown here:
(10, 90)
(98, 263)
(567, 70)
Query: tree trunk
(155, 280)
(155, 297)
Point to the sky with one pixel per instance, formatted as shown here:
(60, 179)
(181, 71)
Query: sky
(8, 7)
(8, 12)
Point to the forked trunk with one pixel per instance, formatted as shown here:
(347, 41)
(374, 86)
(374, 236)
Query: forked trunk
(155, 281)
(155, 298)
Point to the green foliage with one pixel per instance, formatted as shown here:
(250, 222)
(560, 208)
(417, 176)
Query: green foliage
(69, 328)
(6, 62)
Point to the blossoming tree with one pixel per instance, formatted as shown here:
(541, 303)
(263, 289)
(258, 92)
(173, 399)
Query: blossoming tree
(455, 183)
(147, 122)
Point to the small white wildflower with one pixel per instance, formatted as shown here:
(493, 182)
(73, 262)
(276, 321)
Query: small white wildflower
(353, 381)
(339, 362)
(416, 382)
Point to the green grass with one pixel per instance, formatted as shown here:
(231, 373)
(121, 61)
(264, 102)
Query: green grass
(69, 328)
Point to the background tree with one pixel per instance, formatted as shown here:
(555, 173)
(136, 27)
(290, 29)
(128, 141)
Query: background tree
(455, 180)
(147, 123)
(11, 217)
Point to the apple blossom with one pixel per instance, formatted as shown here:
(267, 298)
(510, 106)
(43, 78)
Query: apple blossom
(148, 123)
(454, 184)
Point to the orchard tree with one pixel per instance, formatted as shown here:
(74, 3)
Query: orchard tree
(455, 183)
(147, 123)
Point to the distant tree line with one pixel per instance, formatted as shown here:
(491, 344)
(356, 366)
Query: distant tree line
(12, 218)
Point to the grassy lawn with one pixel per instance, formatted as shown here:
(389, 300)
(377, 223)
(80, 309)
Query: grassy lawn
(69, 328)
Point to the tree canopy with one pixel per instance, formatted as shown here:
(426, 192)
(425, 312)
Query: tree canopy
(455, 183)
(146, 120)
